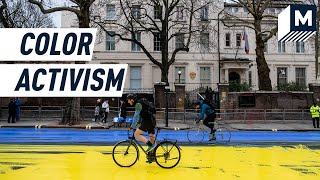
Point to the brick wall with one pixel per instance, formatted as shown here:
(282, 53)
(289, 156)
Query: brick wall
(270, 100)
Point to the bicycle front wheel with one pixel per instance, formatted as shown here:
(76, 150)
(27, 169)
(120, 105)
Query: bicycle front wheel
(167, 154)
(222, 135)
(125, 153)
(195, 135)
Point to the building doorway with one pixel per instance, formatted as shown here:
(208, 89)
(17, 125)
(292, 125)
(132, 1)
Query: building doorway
(233, 76)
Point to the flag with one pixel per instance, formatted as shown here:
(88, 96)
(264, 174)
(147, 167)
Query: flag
(246, 42)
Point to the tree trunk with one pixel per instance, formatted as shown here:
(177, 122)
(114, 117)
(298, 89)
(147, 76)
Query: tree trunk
(71, 115)
(263, 69)
(164, 73)
(165, 48)
(316, 44)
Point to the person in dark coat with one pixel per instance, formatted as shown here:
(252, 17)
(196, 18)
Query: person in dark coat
(123, 109)
(12, 111)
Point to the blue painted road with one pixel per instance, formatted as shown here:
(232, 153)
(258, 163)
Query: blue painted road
(74, 136)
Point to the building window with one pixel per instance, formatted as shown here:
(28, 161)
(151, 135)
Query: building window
(205, 76)
(182, 76)
(135, 77)
(180, 41)
(271, 10)
(204, 13)
(204, 42)
(157, 12)
(238, 38)
(264, 36)
(232, 9)
(299, 47)
(282, 76)
(250, 78)
(156, 42)
(228, 41)
(281, 47)
(245, 10)
(301, 76)
(111, 42)
(111, 12)
(135, 11)
(179, 13)
(134, 46)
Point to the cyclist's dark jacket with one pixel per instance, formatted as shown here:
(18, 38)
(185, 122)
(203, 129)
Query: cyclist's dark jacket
(205, 109)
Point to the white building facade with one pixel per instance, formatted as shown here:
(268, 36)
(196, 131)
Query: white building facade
(200, 66)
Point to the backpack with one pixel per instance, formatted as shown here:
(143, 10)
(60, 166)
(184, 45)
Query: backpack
(207, 102)
(147, 107)
(148, 110)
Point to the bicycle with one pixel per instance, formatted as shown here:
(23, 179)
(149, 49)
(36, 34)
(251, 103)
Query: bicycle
(126, 152)
(196, 133)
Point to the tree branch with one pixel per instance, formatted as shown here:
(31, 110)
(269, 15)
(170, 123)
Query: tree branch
(3, 19)
(55, 9)
(152, 59)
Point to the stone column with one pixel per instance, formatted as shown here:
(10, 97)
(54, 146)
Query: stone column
(180, 96)
(226, 75)
(247, 75)
(223, 89)
(159, 95)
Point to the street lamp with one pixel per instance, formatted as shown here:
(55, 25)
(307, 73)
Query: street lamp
(278, 74)
(167, 88)
(179, 73)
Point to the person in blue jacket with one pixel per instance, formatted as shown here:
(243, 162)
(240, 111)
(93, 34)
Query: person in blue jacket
(18, 104)
(205, 109)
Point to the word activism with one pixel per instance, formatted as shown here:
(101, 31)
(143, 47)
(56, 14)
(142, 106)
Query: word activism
(95, 80)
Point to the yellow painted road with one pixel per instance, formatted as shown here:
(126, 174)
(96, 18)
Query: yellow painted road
(52, 162)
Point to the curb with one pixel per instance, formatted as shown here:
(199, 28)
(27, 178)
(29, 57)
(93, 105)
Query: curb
(275, 130)
(46, 126)
(174, 128)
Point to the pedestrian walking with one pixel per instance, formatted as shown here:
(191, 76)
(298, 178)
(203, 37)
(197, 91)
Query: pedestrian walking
(98, 112)
(18, 104)
(123, 109)
(105, 107)
(314, 110)
(12, 111)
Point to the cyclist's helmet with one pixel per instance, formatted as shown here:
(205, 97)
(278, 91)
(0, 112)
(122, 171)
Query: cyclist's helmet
(132, 96)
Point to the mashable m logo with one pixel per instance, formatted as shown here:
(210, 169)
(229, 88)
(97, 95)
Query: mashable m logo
(297, 23)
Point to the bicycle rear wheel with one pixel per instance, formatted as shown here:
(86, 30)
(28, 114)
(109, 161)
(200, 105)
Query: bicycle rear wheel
(125, 153)
(195, 135)
(167, 154)
(222, 135)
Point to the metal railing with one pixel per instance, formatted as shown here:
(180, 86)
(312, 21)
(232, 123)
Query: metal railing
(175, 115)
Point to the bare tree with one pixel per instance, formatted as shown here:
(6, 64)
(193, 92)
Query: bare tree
(81, 9)
(164, 20)
(264, 26)
(317, 39)
(15, 14)
(256, 10)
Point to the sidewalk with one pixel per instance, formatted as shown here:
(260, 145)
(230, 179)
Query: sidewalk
(232, 126)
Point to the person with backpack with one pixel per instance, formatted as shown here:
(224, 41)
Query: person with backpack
(208, 109)
(143, 115)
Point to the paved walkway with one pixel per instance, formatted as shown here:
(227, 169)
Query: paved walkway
(233, 126)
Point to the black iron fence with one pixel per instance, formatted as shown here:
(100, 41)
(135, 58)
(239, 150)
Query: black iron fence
(175, 115)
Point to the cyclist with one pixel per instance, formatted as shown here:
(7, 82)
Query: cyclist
(145, 119)
(210, 116)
